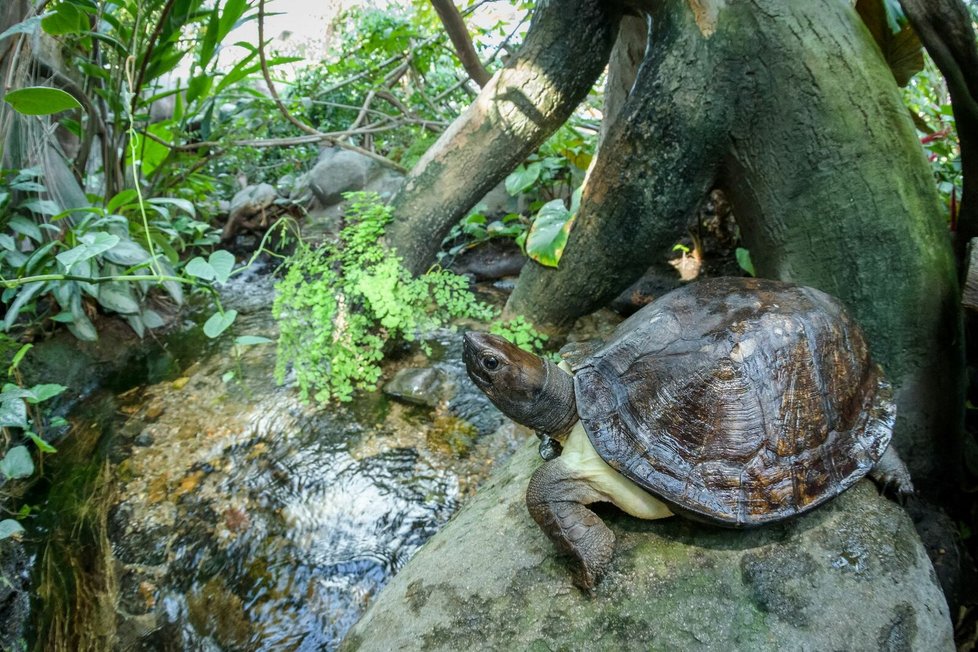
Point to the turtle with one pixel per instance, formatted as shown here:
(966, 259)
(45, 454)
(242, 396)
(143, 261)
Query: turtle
(733, 401)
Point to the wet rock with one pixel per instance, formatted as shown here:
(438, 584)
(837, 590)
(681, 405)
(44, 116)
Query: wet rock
(251, 201)
(418, 386)
(852, 575)
(15, 595)
(143, 439)
(493, 259)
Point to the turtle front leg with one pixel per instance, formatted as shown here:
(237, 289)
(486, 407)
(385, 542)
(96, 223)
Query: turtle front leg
(891, 474)
(557, 502)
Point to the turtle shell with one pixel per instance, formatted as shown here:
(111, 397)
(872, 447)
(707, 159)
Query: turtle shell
(737, 401)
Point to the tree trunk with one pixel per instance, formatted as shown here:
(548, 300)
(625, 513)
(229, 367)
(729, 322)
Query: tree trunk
(789, 107)
(566, 48)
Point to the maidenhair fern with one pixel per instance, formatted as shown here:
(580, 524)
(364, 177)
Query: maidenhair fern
(340, 304)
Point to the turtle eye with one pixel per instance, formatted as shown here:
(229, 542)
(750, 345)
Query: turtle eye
(490, 362)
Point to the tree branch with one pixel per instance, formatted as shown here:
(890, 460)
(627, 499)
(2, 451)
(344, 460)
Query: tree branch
(291, 118)
(451, 19)
(944, 27)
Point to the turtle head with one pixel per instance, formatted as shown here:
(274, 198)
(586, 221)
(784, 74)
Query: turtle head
(525, 387)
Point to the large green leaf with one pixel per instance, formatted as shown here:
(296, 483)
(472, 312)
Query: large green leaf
(40, 100)
(65, 19)
(548, 235)
(901, 48)
(522, 178)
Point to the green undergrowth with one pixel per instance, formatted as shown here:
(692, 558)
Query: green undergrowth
(339, 305)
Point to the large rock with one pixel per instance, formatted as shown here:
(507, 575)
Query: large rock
(852, 575)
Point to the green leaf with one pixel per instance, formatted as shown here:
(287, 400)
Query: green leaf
(25, 295)
(92, 244)
(45, 391)
(522, 178)
(136, 324)
(548, 235)
(40, 100)
(42, 445)
(117, 297)
(249, 340)
(743, 259)
(222, 262)
(10, 528)
(200, 268)
(219, 322)
(17, 463)
(152, 319)
(7, 242)
(13, 413)
(82, 328)
(126, 253)
(65, 19)
(28, 26)
(18, 357)
(41, 206)
(25, 227)
(120, 199)
(183, 204)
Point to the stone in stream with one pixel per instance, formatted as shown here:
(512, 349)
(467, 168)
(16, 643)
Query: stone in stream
(417, 386)
(851, 575)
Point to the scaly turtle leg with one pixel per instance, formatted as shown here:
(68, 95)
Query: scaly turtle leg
(891, 474)
(557, 502)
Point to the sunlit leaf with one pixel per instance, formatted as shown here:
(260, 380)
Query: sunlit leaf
(548, 235)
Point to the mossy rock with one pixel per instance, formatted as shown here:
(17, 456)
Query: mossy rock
(852, 575)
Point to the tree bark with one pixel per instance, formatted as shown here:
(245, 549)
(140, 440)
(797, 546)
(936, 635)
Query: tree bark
(565, 50)
(789, 107)
(452, 21)
(944, 27)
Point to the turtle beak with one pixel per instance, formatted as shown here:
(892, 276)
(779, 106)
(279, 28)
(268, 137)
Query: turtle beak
(474, 344)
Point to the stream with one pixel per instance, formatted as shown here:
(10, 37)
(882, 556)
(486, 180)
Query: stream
(201, 511)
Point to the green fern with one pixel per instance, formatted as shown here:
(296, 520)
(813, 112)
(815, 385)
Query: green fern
(339, 305)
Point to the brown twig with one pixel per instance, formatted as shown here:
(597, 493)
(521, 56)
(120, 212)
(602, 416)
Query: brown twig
(295, 121)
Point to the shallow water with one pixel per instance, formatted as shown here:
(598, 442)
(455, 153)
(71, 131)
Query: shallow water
(238, 517)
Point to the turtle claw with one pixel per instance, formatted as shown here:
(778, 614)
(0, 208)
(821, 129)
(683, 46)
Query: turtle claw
(892, 477)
